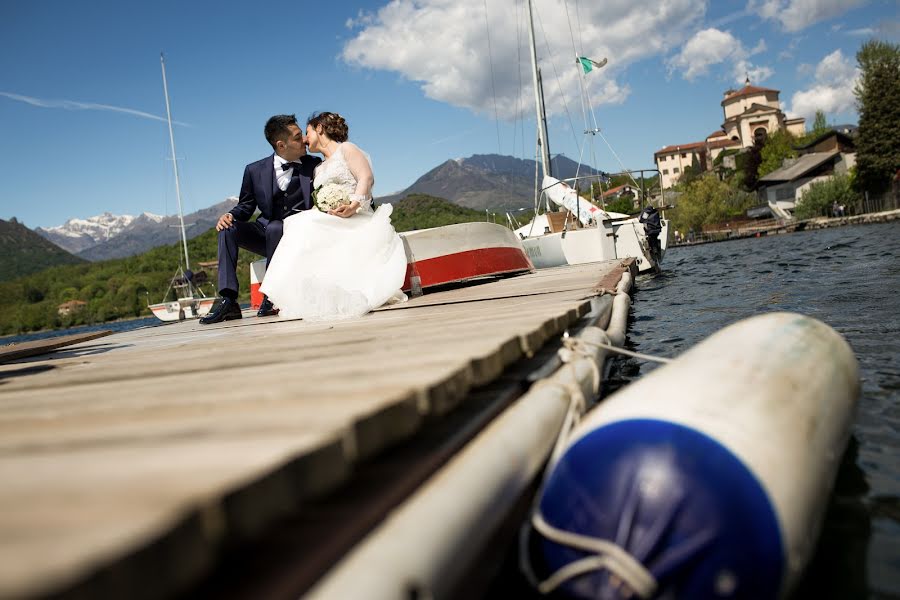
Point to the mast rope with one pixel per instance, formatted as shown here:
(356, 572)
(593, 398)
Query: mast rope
(493, 87)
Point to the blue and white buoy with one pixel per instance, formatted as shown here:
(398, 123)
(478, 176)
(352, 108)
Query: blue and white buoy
(709, 477)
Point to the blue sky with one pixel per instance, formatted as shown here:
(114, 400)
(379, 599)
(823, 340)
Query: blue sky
(419, 81)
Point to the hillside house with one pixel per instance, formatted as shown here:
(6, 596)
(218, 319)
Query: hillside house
(831, 153)
(72, 306)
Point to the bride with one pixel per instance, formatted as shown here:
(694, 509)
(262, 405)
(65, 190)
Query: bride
(344, 262)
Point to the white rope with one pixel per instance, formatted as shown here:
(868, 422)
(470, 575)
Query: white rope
(577, 408)
(573, 343)
(608, 556)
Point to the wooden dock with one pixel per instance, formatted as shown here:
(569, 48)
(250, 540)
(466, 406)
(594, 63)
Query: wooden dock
(128, 462)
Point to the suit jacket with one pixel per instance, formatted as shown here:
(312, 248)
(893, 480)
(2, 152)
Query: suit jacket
(259, 187)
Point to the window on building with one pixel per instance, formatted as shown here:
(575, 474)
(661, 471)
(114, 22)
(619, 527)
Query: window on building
(675, 170)
(665, 171)
(683, 155)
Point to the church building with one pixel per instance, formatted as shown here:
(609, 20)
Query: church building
(751, 113)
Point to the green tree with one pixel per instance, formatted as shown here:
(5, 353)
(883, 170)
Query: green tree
(778, 146)
(691, 173)
(750, 161)
(623, 204)
(821, 196)
(878, 101)
(820, 124)
(709, 200)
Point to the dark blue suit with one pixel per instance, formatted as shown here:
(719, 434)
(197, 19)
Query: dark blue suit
(259, 189)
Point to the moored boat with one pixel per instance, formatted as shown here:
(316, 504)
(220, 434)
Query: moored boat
(583, 232)
(461, 252)
(190, 301)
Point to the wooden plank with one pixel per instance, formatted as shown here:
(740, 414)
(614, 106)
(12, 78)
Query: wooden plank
(12, 352)
(148, 451)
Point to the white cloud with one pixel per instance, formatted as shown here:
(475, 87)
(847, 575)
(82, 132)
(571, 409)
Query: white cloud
(795, 15)
(443, 46)
(832, 90)
(711, 47)
(73, 105)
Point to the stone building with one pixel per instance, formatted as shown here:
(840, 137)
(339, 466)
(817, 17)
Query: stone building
(750, 113)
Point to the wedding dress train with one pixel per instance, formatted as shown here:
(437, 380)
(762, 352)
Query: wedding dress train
(330, 268)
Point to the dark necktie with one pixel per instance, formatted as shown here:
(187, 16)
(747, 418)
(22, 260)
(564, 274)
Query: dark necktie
(288, 165)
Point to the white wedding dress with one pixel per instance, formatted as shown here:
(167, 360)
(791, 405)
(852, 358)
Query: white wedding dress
(330, 268)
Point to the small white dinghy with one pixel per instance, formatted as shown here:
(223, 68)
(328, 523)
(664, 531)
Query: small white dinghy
(461, 252)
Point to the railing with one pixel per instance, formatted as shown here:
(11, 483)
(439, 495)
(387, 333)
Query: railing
(739, 230)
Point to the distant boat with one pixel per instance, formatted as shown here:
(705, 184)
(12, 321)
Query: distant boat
(190, 301)
(583, 232)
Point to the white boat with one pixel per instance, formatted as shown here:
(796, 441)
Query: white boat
(582, 232)
(190, 301)
(460, 253)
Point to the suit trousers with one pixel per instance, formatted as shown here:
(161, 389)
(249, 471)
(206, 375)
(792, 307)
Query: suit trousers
(260, 236)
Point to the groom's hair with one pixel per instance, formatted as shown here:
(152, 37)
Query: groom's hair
(277, 128)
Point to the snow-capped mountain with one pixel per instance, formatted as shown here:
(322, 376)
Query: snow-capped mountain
(76, 235)
(116, 236)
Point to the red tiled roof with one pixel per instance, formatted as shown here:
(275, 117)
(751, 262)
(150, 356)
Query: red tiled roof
(723, 143)
(719, 133)
(680, 148)
(747, 90)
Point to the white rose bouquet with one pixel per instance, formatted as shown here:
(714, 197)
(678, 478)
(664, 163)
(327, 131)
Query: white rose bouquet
(330, 196)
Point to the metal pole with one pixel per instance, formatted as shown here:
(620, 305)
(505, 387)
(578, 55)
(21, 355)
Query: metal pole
(538, 97)
(187, 262)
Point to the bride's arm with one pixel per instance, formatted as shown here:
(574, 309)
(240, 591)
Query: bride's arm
(360, 167)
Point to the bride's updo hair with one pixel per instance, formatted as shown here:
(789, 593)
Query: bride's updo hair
(333, 125)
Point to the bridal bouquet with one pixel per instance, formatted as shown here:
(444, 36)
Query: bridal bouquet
(330, 196)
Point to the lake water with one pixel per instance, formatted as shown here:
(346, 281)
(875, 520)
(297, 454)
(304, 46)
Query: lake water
(848, 277)
(116, 326)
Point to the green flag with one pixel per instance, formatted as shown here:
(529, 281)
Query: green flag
(588, 64)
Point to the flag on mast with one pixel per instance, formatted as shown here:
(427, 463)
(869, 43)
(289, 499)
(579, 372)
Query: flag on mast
(587, 64)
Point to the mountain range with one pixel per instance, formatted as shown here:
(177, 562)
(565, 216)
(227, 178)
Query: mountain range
(109, 236)
(487, 181)
(482, 181)
(76, 235)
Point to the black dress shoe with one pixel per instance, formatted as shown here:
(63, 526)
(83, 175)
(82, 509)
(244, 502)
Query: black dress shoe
(266, 309)
(227, 310)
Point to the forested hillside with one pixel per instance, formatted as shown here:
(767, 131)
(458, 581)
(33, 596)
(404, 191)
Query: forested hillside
(121, 288)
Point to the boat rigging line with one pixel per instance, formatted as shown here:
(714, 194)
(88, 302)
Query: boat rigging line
(493, 86)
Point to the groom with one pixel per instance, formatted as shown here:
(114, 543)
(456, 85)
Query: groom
(278, 185)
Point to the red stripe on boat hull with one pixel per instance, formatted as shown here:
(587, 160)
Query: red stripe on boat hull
(461, 266)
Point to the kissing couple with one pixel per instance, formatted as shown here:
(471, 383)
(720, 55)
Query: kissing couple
(329, 255)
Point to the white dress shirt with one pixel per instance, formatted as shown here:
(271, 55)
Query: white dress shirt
(282, 177)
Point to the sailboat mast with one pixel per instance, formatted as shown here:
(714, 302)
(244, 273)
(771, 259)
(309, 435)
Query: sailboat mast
(538, 97)
(187, 262)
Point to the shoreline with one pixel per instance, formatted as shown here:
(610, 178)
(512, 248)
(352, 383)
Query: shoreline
(62, 330)
(726, 235)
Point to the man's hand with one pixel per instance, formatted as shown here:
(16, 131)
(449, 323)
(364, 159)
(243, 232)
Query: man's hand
(345, 210)
(225, 221)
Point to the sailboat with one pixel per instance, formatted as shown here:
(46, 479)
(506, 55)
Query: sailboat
(582, 232)
(190, 302)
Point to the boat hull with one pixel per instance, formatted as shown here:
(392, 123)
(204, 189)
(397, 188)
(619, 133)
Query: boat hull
(461, 252)
(580, 246)
(183, 308)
